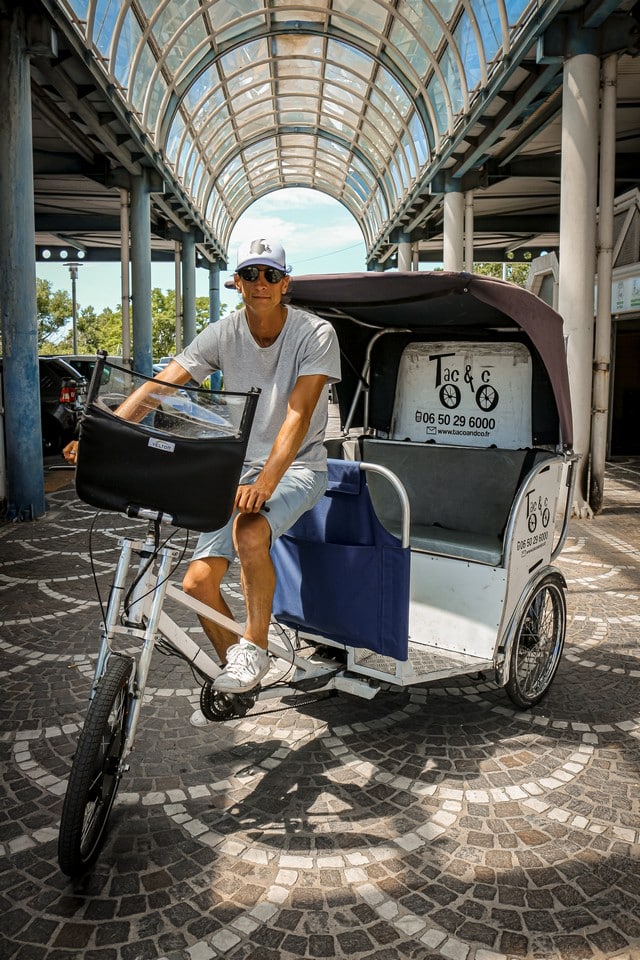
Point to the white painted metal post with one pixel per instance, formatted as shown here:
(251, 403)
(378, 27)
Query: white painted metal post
(125, 288)
(453, 241)
(404, 252)
(141, 274)
(468, 231)
(177, 286)
(577, 246)
(188, 287)
(602, 358)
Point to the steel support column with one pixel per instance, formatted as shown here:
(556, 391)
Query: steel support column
(468, 231)
(602, 357)
(140, 222)
(578, 184)
(188, 288)
(23, 432)
(453, 240)
(404, 252)
(214, 311)
(124, 276)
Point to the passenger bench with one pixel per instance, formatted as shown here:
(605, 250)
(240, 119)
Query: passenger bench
(460, 497)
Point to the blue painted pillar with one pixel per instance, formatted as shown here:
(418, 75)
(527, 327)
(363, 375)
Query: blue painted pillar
(140, 226)
(214, 311)
(23, 432)
(188, 288)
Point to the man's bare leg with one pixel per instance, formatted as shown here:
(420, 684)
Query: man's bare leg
(252, 535)
(202, 581)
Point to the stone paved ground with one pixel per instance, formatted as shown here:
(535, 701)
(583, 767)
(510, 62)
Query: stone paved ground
(419, 824)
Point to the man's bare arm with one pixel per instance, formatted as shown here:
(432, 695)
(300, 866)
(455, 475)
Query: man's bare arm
(302, 402)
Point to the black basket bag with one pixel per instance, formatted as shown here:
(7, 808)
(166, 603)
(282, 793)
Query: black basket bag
(124, 465)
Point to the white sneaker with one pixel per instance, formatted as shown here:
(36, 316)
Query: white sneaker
(198, 719)
(246, 666)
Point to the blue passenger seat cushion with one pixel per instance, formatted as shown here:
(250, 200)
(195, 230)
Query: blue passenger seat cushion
(340, 574)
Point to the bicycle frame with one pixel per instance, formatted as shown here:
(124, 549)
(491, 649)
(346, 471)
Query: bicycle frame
(147, 623)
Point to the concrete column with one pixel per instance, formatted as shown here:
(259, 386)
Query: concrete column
(404, 252)
(141, 275)
(453, 241)
(214, 312)
(468, 231)
(602, 358)
(578, 245)
(23, 432)
(188, 288)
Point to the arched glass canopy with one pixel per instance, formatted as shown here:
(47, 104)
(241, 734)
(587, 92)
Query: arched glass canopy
(350, 97)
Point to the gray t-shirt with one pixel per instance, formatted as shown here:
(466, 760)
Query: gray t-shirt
(306, 345)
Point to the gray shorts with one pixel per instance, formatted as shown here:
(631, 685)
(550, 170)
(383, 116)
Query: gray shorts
(298, 491)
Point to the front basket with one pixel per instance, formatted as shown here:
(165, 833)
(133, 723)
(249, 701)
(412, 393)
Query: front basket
(190, 474)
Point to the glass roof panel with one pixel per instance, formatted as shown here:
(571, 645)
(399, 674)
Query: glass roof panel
(368, 18)
(184, 40)
(470, 53)
(487, 14)
(127, 42)
(427, 22)
(106, 16)
(80, 7)
(231, 18)
(357, 103)
(515, 9)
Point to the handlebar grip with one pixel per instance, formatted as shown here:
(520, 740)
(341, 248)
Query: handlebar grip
(144, 513)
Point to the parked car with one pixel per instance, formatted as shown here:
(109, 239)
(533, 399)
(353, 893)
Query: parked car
(63, 390)
(118, 380)
(117, 384)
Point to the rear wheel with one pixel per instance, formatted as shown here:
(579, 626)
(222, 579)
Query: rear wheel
(538, 643)
(95, 773)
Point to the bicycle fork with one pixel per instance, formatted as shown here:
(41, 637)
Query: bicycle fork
(140, 622)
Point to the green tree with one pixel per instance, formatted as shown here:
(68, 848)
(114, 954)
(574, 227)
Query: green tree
(515, 272)
(163, 312)
(54, 310)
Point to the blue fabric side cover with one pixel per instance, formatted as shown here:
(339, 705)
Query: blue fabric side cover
(340, 574)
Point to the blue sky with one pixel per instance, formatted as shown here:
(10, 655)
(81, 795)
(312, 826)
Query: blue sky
(318, 234)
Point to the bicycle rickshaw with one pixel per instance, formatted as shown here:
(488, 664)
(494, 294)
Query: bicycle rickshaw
(430, 555)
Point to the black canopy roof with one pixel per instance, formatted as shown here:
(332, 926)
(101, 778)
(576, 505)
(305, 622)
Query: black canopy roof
(421, 300)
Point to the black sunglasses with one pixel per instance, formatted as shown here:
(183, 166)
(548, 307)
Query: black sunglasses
(271, 274)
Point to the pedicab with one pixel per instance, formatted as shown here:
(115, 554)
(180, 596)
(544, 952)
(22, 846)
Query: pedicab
(430, 556)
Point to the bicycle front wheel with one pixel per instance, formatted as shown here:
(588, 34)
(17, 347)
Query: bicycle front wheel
(95, 773)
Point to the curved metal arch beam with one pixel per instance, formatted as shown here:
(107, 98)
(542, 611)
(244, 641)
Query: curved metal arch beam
(401, 128)
(221, 215)
(173, 97)
(505, 39)
(315, 136)
(204, 146)
(223, 159)
(425, 110)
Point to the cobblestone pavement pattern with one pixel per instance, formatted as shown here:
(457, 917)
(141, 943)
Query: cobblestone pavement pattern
(437, 822)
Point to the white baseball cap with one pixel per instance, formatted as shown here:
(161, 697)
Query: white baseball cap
(265, 252)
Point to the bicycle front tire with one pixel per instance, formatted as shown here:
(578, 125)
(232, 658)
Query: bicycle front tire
(95, 772)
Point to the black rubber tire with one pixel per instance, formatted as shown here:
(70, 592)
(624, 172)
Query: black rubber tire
(95, 774)
(538, 643)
